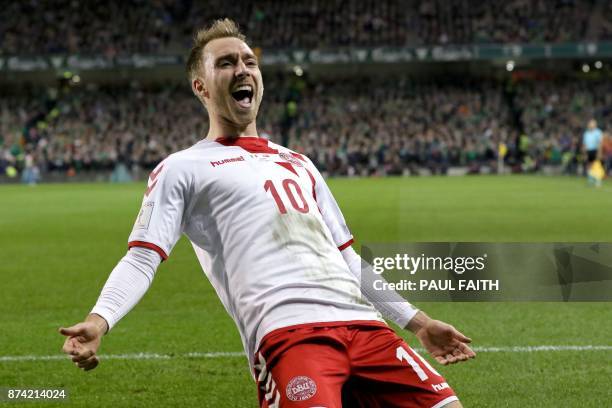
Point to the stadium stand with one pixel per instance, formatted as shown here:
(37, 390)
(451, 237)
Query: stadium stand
(166, 26)
(354, 126)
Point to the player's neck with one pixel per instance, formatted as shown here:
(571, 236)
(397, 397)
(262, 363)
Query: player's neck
(230, 130)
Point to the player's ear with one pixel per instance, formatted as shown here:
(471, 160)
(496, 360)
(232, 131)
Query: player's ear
(197, 87)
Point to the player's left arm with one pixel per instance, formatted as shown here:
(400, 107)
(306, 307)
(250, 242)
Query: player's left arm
(445, 343)
(442, 341)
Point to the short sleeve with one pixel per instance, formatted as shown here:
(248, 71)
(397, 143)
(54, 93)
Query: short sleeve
(160, 221)
(332, 216)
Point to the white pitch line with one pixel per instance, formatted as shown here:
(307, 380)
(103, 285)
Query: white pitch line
(222, 354)
(134, 356)
(532, 349)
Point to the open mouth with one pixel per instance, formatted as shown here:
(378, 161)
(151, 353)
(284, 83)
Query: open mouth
(243, 95)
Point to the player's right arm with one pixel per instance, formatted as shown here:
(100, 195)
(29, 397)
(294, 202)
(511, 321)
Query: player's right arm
(156, 231)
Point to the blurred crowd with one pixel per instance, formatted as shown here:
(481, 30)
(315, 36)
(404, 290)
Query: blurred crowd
(393, 126)
(71, 130)
(347, 126)
(160, 26)
(95, 129)
(554, 116)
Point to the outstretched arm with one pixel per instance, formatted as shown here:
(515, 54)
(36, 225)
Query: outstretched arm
(124, 288)
(157, 229)
(441, 340)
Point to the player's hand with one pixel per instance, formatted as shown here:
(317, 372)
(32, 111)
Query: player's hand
(82, 343)
(445, 343)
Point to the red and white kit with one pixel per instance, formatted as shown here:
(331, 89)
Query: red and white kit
(271, 239)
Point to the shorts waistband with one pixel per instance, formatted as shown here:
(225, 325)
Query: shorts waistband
(347, 323)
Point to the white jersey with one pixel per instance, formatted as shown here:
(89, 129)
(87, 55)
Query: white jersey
(265, 228)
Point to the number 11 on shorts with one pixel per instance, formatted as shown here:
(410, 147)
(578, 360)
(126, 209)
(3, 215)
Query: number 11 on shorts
(402, 354)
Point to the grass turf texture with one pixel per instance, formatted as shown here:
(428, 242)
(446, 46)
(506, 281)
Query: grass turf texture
(59, 242)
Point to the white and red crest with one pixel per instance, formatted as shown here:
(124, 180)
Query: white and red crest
(301, 388)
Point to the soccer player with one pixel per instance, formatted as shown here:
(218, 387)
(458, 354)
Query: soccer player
(274, 244)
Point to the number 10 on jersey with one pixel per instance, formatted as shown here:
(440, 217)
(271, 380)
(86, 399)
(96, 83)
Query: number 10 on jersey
(291, 189)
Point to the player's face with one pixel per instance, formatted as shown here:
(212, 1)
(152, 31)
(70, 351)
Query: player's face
(232, 80)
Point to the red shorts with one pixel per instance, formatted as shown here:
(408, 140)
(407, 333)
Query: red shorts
(345, 364)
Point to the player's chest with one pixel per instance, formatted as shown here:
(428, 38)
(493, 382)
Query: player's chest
(259, 176)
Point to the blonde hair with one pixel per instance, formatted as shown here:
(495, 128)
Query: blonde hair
(221, 28)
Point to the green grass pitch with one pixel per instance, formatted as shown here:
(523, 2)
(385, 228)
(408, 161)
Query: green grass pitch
(59, 243)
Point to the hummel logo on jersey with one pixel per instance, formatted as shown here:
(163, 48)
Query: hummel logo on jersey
(224, 161)
(439, 387)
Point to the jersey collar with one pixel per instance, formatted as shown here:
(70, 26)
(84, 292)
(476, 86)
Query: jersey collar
(251, 144)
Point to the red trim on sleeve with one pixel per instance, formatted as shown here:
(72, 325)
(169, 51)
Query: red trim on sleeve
(346, 244)
(149, 245)
(153, 178)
